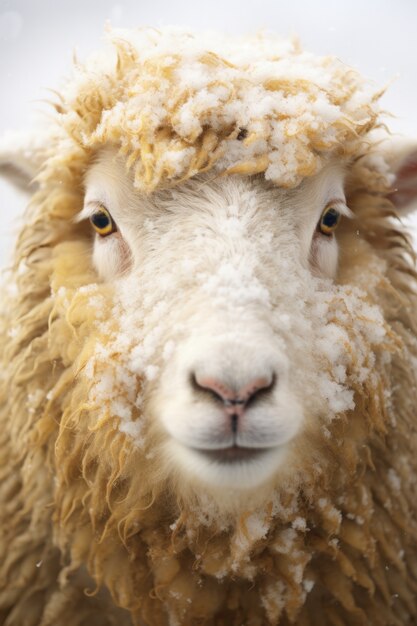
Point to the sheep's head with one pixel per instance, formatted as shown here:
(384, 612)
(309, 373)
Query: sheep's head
(221, 330)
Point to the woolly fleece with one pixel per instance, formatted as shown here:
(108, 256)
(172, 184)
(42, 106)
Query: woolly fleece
(82, 506)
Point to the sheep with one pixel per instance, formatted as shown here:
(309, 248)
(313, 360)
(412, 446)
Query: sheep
(208, 410)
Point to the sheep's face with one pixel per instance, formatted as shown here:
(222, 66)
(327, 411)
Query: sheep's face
(222, 288)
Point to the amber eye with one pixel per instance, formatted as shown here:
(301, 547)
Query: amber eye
(102, 222)
(329, 221)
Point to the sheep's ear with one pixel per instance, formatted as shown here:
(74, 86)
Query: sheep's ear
(401, 155)
(21, 157)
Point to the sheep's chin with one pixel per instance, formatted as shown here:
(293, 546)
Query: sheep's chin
(199, 467)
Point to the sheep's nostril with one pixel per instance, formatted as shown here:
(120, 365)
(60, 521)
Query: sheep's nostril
(204, 388)
(259, 388)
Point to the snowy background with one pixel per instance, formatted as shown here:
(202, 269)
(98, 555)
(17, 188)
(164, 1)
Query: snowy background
(38, 37)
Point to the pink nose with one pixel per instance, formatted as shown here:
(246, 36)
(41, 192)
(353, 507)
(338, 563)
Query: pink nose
(234, 402)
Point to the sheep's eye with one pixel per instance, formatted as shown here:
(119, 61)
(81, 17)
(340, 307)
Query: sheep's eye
(102, 222)
(329, 221)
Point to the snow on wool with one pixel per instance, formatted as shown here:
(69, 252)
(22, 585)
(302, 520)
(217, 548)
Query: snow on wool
(114, 381)
(216, 158)
(179, 104)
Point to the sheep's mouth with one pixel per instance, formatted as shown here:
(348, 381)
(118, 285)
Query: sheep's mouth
(233, 454)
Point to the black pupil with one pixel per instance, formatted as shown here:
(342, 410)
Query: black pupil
(330, 218)
(100, 219)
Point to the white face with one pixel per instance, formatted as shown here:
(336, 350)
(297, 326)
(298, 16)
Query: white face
(218, 276)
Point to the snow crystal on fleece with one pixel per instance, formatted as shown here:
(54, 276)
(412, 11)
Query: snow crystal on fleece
(345, 329)
(177, 104)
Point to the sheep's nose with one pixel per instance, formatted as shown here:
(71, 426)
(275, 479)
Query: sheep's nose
(234, 401)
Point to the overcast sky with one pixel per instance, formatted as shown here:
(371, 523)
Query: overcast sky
(38, 37)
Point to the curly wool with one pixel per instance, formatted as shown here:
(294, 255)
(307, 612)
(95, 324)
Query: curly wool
(335, 543)
(176, 105)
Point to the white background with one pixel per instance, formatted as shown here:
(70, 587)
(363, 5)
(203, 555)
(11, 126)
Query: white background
(38, 37)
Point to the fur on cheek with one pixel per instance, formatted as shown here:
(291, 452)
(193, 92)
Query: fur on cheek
(324, 255)
(111, 256)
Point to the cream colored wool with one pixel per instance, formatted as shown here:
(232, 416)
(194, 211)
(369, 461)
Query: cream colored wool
(176, 107)
(82, 506)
